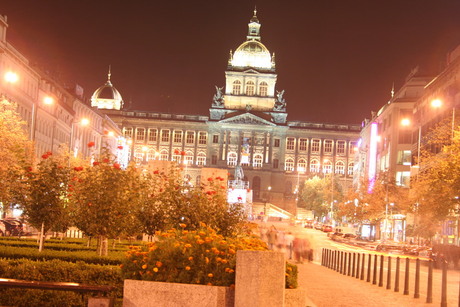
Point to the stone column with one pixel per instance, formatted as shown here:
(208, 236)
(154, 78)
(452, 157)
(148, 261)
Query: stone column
(260, 278)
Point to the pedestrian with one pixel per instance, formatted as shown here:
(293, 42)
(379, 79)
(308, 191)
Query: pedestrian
(289, 238)
(272, 237)
(297, 245)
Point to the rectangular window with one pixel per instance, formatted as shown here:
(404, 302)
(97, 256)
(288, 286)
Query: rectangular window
(403, 179)
(276, 163)
(128, 132)
(315, 143)
(404, 157)
(303, 143)
(165, 135)
(140, 135)
(215, 138)
(340, 147)
(328, 146)
(177, 136)
(202, 138)
(351, 148)
(190, 137)
(290, 143)
(213, 159)
(152, 135)
(276, 143)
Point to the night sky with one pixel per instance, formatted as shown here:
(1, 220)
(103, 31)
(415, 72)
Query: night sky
(336, 59)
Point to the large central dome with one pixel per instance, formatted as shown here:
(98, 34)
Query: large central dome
(252, 54)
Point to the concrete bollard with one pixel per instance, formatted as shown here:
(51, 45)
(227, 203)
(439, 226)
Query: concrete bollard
(260, 278)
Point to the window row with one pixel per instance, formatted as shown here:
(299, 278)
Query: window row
(250, 88)
(186, 157)
(316, 167)
(328, 145)
(143, 135)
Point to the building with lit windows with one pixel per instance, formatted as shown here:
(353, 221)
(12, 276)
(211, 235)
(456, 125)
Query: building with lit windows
(247, 126)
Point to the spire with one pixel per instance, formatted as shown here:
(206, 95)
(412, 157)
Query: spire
(109, 75)
(254, 28)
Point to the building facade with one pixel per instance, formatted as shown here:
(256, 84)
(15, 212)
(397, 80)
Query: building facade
(247, 128)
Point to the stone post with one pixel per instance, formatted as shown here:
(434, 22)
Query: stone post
(260, 278)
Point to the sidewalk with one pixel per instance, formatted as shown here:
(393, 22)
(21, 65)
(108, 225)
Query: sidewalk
(328, 288)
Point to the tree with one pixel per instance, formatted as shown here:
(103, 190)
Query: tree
(102, 198)
(45, 203)
(434, 191)
(317, 193)
(169, 201)
(15, 154)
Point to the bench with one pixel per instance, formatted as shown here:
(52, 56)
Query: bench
(101, 291)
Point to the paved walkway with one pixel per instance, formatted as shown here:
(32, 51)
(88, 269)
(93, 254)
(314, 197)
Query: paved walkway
(328, 288)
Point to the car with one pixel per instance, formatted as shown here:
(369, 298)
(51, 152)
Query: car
(318, 226)
(327, 228)
(309, 224)
(10, 227)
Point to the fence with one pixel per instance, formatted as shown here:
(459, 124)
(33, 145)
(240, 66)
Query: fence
(372, 268)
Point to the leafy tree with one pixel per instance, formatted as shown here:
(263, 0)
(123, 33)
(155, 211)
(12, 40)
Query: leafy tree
(45, 204)
(169, 201)
(317, 193)
(15, 154)
(102, 197)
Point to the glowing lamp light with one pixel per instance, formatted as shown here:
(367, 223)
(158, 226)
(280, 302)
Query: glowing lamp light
(405, 122)
(436, 103)
(48, 100)
(84, 122)
(111, 133)
(11, 77)
(145, 148)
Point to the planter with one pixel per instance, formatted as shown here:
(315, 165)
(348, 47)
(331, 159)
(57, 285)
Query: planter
(162, 294)
(139, 293)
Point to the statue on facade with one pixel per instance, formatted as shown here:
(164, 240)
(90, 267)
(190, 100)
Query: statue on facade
(218, 99)
(280, 102)
(239, 174)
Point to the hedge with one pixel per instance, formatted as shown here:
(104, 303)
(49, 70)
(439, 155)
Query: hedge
(56, 271)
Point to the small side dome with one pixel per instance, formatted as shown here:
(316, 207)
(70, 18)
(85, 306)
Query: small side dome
(107, 97)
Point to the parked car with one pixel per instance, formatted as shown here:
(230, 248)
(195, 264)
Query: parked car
(309, 224)
(318, 226)
(10, 227)
(327, 228)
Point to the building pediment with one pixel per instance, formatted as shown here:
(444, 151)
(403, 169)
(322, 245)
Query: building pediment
(247, 119)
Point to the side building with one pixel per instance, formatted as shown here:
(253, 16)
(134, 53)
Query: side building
(247, 129)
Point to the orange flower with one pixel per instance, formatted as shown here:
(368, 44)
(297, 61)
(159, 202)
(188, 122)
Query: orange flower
(159, 264)
(144, 266)
(210, 275)
(188, 245)
(187, 268)
(182, 225)
(190, 258)
(155, 270)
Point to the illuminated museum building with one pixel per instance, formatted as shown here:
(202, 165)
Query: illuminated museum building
(247, 126)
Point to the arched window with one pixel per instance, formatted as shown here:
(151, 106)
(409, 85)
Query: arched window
(327, 167)
(201, 159)
(301, 166)
(236, 87)
(257, 163)
(314, 166)
(164, 155)
(188, 159)
(152, 154)
(340, 167)
(250, 88)
(231, 159)
(138, 155)
(289, 165)
(350, 168)
(263, 89)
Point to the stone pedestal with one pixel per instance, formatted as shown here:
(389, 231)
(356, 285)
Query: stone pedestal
(260, 278)
(100, 302)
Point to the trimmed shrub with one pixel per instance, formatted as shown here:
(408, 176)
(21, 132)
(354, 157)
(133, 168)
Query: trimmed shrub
(56, 271)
